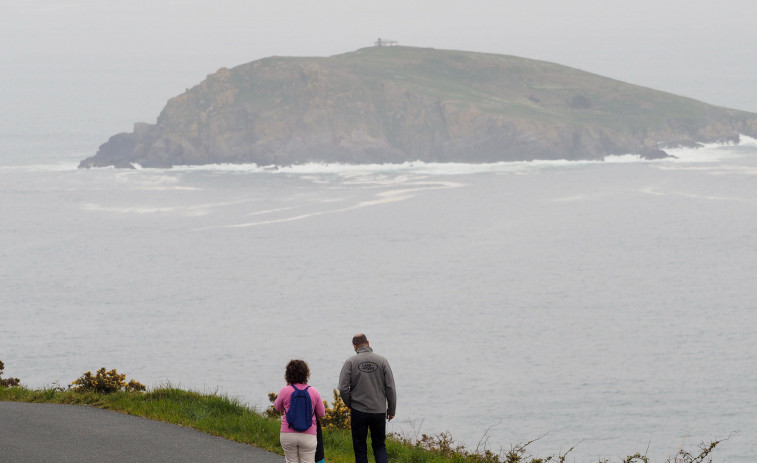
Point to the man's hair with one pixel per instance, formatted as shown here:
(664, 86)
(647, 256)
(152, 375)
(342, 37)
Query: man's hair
(359, 339)
(297, 372)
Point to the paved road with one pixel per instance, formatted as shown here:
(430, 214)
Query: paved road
(52, 433)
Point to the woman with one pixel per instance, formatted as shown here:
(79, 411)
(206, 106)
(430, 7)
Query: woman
(299, 446)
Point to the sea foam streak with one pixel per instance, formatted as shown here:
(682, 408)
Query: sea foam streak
(384, 197)
(356, 171)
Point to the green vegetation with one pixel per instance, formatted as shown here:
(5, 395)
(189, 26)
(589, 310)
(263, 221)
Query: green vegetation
(520, 87)
(8, 382)
(106, 382)
(223, 416)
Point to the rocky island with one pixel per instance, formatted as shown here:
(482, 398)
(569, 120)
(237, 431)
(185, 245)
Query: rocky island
(397, 104)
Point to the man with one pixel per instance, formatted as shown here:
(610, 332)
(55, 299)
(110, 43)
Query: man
(366, 385)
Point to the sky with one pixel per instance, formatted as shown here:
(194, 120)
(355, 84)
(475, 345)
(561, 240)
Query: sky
(104, 64)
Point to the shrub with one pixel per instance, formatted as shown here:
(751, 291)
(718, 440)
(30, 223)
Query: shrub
(271, 412)
(336, 417)
(8, 382)
(442, 444)
(106, 382)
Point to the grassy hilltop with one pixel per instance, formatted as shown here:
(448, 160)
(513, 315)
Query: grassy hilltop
(396, 104)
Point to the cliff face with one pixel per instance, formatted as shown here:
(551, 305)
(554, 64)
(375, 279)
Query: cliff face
(395, 104)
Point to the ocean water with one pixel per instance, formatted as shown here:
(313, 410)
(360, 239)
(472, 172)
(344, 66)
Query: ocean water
(609, 306)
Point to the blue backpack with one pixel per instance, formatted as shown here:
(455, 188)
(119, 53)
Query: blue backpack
(300, 413)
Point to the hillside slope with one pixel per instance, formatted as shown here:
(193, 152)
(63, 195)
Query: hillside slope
(395, 104)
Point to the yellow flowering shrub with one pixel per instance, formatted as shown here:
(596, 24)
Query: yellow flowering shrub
(271, 412)
(338, 415)
(106, 382)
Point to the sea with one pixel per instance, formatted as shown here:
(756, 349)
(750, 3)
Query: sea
(598, 309)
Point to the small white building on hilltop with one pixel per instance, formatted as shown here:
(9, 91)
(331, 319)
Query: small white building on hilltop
(385, 43)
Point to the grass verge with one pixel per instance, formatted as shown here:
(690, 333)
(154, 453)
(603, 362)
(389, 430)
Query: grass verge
(226, 417)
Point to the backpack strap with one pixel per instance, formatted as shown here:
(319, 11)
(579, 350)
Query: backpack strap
(306, 389)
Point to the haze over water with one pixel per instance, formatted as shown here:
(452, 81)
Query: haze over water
(609, 305)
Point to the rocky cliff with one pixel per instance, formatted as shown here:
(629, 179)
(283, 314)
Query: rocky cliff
(395, 104)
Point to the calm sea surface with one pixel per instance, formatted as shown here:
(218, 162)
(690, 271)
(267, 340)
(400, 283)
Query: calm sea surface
(612, 306)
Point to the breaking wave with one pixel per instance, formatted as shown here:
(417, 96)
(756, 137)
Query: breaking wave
(713, 152)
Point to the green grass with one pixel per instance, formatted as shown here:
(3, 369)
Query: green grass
(226, 417)
(214, 414)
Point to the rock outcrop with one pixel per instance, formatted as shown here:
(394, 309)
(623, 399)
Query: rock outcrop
(396, 104)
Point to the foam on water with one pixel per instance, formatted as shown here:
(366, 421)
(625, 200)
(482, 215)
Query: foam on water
(713, 152)
(624, 158)
(410, 190)
(747, 140)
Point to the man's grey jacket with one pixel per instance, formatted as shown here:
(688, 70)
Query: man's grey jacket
(366, 383)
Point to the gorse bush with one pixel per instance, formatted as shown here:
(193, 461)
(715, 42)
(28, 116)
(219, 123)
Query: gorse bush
(271, 412)
(106, 382)
(8, 382)
(337, 416)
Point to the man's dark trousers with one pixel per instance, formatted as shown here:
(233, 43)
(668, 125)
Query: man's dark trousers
(361, 423)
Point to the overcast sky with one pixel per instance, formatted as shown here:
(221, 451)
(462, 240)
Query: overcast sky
(139, 53)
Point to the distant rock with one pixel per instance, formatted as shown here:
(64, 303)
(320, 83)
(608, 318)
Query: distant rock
(396, 104)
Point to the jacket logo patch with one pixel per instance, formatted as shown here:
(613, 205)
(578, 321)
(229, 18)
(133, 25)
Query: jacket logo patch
(367, 367)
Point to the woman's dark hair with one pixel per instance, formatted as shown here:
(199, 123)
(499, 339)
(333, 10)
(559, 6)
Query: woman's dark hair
(297, 372)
